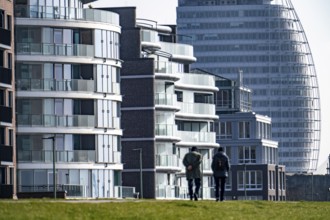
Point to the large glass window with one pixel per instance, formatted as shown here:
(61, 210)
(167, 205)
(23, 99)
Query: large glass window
(244, 129)
(249, 180)
(247, 154)
(225, 130)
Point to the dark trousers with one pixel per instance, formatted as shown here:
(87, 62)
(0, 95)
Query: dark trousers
(197, 186)
(220, 182)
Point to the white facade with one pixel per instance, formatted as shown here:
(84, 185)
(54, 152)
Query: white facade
(68, 97)
(265, 40)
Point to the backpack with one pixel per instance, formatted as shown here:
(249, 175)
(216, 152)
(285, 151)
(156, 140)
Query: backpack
(221, 163)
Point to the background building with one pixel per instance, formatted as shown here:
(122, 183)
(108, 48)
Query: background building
(265, 40)
(68, 99)
(165, 110)
(247, 140)
(7, 103)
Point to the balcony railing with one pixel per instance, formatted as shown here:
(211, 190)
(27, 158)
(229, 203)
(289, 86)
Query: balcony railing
(191, 136)
(56, 120)
(167, 160)
(165, 99)
(124, 192)
(179, 51)
(196, 79)
(165, 129)
(46, 156)
(71, 190)
(5, 75)
(50, 12)
(181, 192)
(83, 50)
(168, 67)
(197, 108)
(55, 85)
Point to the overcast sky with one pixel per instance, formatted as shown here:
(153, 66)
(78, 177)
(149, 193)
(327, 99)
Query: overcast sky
(315, 17)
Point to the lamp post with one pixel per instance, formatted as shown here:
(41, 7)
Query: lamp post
(54, 169)
(141, 176)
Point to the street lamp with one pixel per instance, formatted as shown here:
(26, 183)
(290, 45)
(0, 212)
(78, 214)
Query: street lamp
(54, 175)
(141, 177)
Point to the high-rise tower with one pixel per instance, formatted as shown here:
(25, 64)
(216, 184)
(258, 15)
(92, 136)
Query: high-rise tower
(265, 40)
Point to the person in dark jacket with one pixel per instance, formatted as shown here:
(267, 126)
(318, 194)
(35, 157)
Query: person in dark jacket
(220, 167)
(192, 161)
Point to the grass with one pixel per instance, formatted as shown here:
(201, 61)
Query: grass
(156, 209)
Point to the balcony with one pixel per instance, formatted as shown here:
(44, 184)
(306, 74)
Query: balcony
(165, 130)
(55, 85)
(56, 120)
(6, 114)
(5, 75)
(150, 40)
(198, 80)
(196, 108)
(81, 50)
(167, 161)
(179, 52)
(196, 136)
(5, 38)
(6, 153)
(66, 13)
(165, 99)
(46, 156)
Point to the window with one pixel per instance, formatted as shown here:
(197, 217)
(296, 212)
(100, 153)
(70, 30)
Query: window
(179, 96)
(2, 18)
(2, 135)
(244, 129)
(84, 142)
(247, 154)
(225, 130)
(9, 22)
(249, 180)
(9, 59)
(203, 98)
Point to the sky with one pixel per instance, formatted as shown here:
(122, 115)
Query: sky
(314, 16)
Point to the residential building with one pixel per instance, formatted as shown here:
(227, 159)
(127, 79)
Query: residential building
(266, 41)
(7, 103)
(165, 110)
(247, 139)
(68, 99)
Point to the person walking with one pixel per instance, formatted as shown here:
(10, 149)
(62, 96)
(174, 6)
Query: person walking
(192, 161)
(220, 167)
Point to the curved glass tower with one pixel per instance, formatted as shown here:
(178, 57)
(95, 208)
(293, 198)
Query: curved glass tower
(265, 40)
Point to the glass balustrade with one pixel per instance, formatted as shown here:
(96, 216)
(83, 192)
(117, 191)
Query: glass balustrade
(190, 136)
(55, 85)
(178, 49)
(46, 156)
(56, 120)
(165, 129)
(196, 79)
(66, 13)
(55, 49)
(196, 108)
(165, 99)
(167, 160)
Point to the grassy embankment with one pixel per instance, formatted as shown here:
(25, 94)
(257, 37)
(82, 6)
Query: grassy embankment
(155, 209)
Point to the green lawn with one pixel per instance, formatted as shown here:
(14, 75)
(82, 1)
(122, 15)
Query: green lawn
(155, 209)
